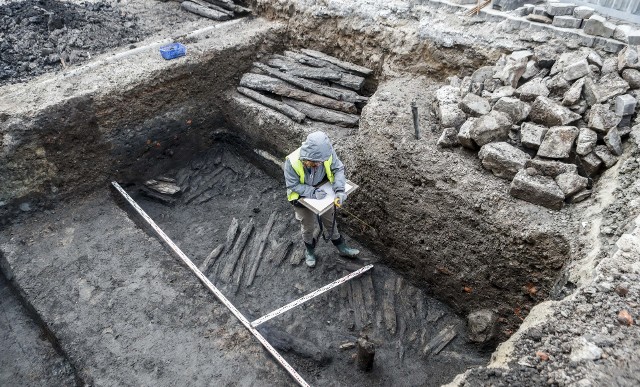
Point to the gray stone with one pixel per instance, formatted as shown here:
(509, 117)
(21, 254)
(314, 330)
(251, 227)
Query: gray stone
(581, 349)
(482, 325)
(621, 32)
(609, 65)
(625, 121)
(550, 168)
(545, 55)
(494, 126)
(601, 118)
(539, 10)
(594, 58)
(491, 84)
(633, 38)
(547, 112)
(613, 142)
(451, 116)
(583, 12)
(579, 108)
(570, 183)
(586, 141)
(557, 85)
(580, 196)
(464, 134)
(590, 164)
(482, 74)
(560, 9)
(572, 96)
(447, 95)
(625, 105)
(598, 26)
(530, 71)
(477, 88)
(504, 91)
(514, 68)
(609, 86)
(540, 190)
(454, 81)
(503, 159)
(517, 110)
(632, 76)
(531, 135)
(603, 153)
(448, 138)
(628, 58)
(474, 105)
(569, 58)
(558, 141)
(566, 22)
(465, 86)
(539, 18)
(532, 90)
(576, 70)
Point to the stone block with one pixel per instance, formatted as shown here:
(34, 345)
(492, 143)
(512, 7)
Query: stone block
(483, 73)
(609, 86)
(557, 85)
(586, 141)
(572, 96)
(494, 126)
(503, 159)
(557, 142)
(608, 158)
(621, 32)
(633, 38)
(598, 26)
(547, 112)
(625, 105)
(571, 183)
(613, 142)
(576, 70)
(464, 134)
(551, 168)
(514, 68)
(601, 118)
(560, 9)
(531, 135)
(594, 58)
(504, 91)
(474, 105)
(482, 325)
(569, 58)
(533, 89)
(632, 76)
(545, 55)
(465, 86)
(628, 58)
(538, 189)
(566, 22)
(539, 10)
(451, 116)
(531, 70)
(590, 163)
(517, 110)
(490, 85)
(583, 12)
(539, 19)
(613, 46)
(609, 65)
(447, 95)
(448, 138)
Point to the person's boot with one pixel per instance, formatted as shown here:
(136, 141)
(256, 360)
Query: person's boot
(343, 249)
(310, 254)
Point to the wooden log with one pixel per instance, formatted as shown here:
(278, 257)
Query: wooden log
(204, 11)
(388, 302)
(238, 248)
(349, 80)
(340, 63)
(441, 340)
(281, 251)
(358, 303)
(298, 70)
(261, 244)
(307, 85)
(231, 234)
(213, 6)
(365, 355)
(229, 5)
(211, 258)
(273, 104)
(243, 263)
(369, 293)
(322, 114)
(282, 88)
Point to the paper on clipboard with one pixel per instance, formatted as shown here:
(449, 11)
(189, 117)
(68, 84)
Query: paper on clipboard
(320, 206)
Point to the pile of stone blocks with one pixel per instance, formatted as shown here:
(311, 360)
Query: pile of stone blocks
(549, 121)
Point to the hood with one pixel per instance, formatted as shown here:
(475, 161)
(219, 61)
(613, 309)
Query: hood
(316, 147)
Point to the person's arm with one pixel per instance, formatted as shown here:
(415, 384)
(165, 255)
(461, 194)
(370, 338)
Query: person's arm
(338, 173)
(292, 181)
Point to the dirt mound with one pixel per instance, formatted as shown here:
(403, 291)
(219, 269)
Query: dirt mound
(42, 35)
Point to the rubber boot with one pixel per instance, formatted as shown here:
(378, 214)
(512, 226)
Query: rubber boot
(343, 249)
(310, 254)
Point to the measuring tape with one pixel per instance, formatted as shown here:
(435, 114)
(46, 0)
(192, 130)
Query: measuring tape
(338, 205)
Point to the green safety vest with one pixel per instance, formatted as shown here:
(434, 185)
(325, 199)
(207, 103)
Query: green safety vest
(296, 163)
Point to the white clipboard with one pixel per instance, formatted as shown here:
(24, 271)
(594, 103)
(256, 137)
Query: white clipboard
(320, 206)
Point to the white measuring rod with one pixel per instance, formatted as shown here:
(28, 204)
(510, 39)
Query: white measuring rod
(310, 296)
(211, 287)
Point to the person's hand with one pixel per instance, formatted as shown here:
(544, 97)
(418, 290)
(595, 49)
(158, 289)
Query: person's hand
(319, 194)
(341, 197)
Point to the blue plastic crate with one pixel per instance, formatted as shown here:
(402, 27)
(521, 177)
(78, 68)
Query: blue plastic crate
(173, 50)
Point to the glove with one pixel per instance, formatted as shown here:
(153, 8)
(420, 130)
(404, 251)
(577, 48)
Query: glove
(318, 194)
(341, 197)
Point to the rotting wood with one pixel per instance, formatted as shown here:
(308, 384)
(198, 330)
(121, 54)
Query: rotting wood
(340, 63)
(323, 114)
(296, 257)
(273, 104)
(211, 258)
(234, 256)
(204, 11)
(388, 308)
(368, 291)
(279, 254)
(358, 303)
(348, 80)
(441, 340)
(347, 264)
(231, 234)
(244, 262)
(365, 355)
(303, 71)
(213, 6)
(261, 244)
(276, 86)
(305, 84)
(230, 5)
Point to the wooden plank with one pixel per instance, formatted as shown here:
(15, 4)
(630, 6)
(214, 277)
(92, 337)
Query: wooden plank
(302, 71)
(322, 114)
(231, 234)
(273, 104)
(348, 80)
(238, 248)
(276, 86)
(369, 293)
(358, 303)
(441, 340)
(388, 308)
(229, 5)
(211, 258)
(213, 6)
(204, 11)
(261, 244)
(340, 63)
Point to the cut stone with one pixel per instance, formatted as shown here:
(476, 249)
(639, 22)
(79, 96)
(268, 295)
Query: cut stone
(571, 183)
(601, 118)
(545, 55)
(447, 95)
(451, 116)
(464, 134)
(540, 190)
(613, 142)
(633, 38)
(590, 164)
(609, 86)
(628, 58)
(494, 126)
(517, 110)
(558, 141)
(532, 90)
(608, 158)
(583, 12)
(632, 76)
(594, 58)
(566, 22)
(531, 135)
(569, 58)
(576, 70)
(448, 138)
(530, 71)
(560, 9)
(504, 91)
(539, 18)
(598, 26)
(586, 141)
(547, 112)
(474, 105)
(625, 105)
(621, 32)
(572, 96)
(503, 159)
(551, 168)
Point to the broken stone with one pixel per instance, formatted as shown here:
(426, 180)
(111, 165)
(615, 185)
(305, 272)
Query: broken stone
(447, 95)
(601, 118)
(545, 55)
(547, 112)
(517, 110)
(576, 70)
(504, 91)
(621, 32)
(628, 58)
(558, 141)
(531, 135)
(451, 116)
(580, 196)
(540, 190)
(550, 168)
(609, 65)
(609, 86)
(503, 159)
(598, 26)
(606, 156)
(530, 71)
(569, 58)
(560, 9)
(448, 138)
(482, 325)
(613, 141)
(590, 164)
(464, 135)
(494, 126)
(581, 349)
(557, 85)
(454, 81)
(625, 105)
(570, 183)
(482, 74)
(583, 12)
(465, 86)
(474, 105)
(632, 76)
(491, 84)
(572, 96)
(579, 108)
(532, 90)
(566, 22)
(594, 58)
(633, 38)
(586, 141)
(539, 18)
(514, 68)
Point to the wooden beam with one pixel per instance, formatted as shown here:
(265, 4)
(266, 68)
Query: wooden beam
(204, 11)
(322, 114)
(340, 63)
(278, 106)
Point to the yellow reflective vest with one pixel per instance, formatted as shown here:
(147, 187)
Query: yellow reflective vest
(296, 163)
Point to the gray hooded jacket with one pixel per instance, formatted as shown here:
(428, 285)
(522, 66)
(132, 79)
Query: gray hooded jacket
(316, 147)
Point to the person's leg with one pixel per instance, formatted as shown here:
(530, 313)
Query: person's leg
(307, 220)
(331, 229)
